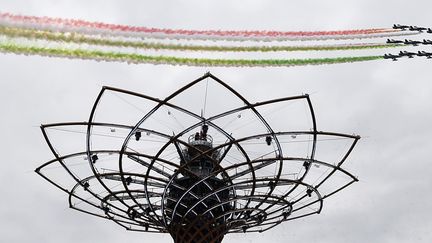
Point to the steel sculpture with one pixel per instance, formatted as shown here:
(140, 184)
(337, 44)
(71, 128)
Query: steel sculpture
(200, 181)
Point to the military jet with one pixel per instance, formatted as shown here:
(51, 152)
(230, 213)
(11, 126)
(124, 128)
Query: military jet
(427, 42)
(391, 56)
(401, 27)
(416, 28)
(407, 54)
(425, 54)
(412, 42)
(392, 41)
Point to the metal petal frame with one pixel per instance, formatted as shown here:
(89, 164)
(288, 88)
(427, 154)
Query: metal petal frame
(141, 199)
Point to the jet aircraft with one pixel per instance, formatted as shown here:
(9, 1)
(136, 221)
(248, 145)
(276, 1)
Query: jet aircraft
(412, 42)
(393, 41)
(391, 56)
(425, 54)
(407, 54)
(416, 28)
(427, 42)
(401, 27)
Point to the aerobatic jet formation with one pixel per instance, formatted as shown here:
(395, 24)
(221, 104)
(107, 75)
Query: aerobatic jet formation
(410, 54)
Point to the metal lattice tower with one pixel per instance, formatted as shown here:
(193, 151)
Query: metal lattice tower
(245, 167)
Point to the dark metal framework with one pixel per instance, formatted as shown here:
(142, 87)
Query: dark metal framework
(173, 196)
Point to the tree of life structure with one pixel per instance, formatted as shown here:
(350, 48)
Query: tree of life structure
(201, 163)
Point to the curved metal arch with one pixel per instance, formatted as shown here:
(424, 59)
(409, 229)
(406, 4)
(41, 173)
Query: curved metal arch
(88, 146)
(60, 159)
(123, 148)
(80, 181)
(136, 127)
(91, 204)
(101, 216)
(71, 194)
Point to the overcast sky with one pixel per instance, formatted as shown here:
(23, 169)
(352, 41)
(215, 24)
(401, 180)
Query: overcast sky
(388, 103)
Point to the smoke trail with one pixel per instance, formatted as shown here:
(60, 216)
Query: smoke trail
(109, 56)
(97, 28)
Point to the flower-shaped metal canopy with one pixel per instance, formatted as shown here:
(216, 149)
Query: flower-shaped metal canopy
(199, 164)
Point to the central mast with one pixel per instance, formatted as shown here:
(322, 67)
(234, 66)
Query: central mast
(194, 210)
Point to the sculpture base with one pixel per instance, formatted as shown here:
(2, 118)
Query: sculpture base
(198, 231)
